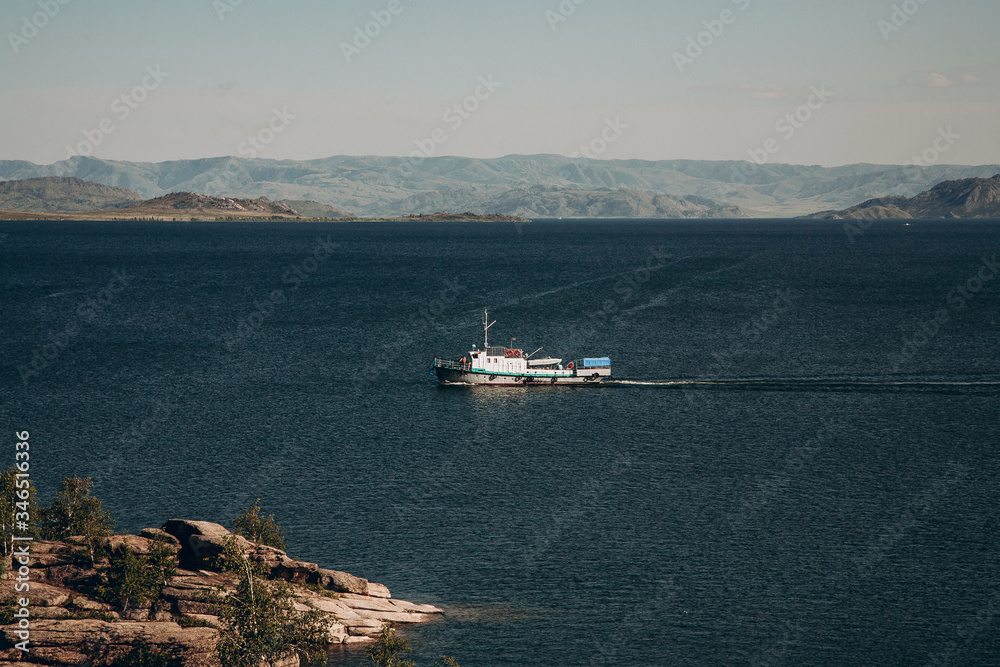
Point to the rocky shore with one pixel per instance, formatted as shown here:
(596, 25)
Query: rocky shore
(69, 626)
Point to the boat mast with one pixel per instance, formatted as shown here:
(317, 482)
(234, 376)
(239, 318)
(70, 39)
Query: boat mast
(486, 330)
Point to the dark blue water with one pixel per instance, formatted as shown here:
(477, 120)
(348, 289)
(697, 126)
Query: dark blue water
(802, 469)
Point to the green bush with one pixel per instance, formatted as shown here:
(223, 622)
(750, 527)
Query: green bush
(145, 656)
(385, 650)
(134, 580)
(260, 624)
(260, 530)
(75, 512)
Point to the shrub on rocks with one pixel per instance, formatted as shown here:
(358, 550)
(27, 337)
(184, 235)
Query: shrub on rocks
(260, 530)
(134, 580)
(260, 624)
(75, 512)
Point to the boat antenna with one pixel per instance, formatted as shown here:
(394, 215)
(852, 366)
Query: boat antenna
(533, 353)
(486, 329)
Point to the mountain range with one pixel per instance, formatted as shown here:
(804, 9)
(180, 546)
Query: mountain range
(61, 198)
(966, 198)
(531, 186)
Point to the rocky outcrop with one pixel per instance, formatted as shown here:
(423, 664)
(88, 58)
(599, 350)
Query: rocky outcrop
(191, 201)
(69, 626)
(63, 194)
(90, 641)
(203, 542)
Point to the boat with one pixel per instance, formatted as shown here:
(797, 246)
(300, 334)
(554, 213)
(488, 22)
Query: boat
(499, 366)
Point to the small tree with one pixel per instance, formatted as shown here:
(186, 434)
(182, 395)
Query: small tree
(134, 580)
(384, 652)
(15, 510)
(260, 624)
(75, 512)
(260, 530)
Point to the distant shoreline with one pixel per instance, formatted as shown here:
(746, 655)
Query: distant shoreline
(173, 216)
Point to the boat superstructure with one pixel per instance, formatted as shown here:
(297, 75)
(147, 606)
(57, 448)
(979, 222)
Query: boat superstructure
(510, 366)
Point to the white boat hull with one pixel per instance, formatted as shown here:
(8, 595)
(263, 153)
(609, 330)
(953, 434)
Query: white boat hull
(477, 377)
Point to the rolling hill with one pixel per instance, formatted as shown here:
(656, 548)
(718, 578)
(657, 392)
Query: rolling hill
(387, 186)
(964, 198)
(50, 194)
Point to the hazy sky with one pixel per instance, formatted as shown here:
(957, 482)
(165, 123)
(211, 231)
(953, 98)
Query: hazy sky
(886, 79)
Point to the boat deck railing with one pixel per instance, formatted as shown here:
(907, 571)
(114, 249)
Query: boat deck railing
(452, 365)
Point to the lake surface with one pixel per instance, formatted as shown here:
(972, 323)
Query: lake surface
(799, 465)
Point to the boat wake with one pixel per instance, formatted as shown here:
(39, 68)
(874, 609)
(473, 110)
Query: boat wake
(816, 384)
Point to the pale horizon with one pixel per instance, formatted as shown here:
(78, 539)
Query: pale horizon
(857, 83)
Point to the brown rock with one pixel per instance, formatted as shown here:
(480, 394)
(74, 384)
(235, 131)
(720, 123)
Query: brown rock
(41, 595)
(69, 576)
(378, 590)
(160, 535)
(139, 545)
(205, 618)
(192, 608)
(392, 617)
(63, 642)
(201, 541)
(343, 582)
(418, 608)
(294, 571)
(371, 604)
(83, 603)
